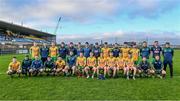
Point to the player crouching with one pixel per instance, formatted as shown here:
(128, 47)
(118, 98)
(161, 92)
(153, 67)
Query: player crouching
(144, 67)
(26, 65)
(60, 67)
(158, 68)
(49, 66)
(101, 65)
(36, 67)
(130, 67)
(14, 67)
(91, 65)
(111, 63)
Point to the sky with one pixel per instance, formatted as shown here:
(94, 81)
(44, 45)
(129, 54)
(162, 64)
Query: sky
(95, 20)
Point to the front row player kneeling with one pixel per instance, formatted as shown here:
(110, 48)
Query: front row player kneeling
(14, 67)
(158, 68)
(60, 67)
(49, 66)
(36, 67)
(144, 67)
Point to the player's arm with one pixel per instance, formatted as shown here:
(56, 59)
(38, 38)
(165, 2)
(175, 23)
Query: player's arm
(77, 62)
(9, 67)
(30, 51)
(57, 51)
(32, 65)
(140, 50)
(152, 65)
(162, 66)
(39, 52)
(41, 66)
(19, 68)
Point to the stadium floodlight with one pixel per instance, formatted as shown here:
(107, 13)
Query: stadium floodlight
(57, 26)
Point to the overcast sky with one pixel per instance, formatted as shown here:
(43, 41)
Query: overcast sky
(95, 20)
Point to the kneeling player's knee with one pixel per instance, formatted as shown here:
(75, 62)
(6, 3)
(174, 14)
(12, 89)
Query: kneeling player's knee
(9, 72)
(164, 72)
(152, 71)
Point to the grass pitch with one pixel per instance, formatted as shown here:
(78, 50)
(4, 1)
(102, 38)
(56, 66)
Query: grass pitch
(73, 88)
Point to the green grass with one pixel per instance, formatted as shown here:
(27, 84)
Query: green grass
(62, 88)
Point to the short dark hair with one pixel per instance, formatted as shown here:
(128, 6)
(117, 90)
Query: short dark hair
(144, 42)
(96, 43)
(87, 43)
(155, 41)
(167, 43)
(105, 43)
(14, 57)
(62, 43)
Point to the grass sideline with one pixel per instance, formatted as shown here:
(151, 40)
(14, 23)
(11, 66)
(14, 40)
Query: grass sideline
(73, 88)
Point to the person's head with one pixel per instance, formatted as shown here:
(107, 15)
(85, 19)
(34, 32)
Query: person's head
(91, 54)
(134, 46)
(144, 44)
(49, 58)
(116, 45)
(111, 54)
(53, 44)
(144, 59)
(71, 44)
(86, 44)
(36, 57)
(62, 44)
(106, 44)
(156, 43)
(125, 45)
(81, 54)
(96, 44)
(14, 59)
(59, 58)
(167, 45)
(157, 57)
(79, 45)
(44, 45)
(26, 57)
(34, 44)
(71, 53)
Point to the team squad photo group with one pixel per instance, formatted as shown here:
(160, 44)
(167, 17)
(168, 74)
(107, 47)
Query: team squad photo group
(99, 61)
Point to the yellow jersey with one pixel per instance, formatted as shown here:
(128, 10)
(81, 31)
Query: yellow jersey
(120, 62)
(53, 51)
(81, 61)
(91, 61)
(130, 63)
(101, 62)
(60, 64)
(15, 66)
(111, 61)
(106, 52)
(135, 54)
(125, 52)
(34, 51)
